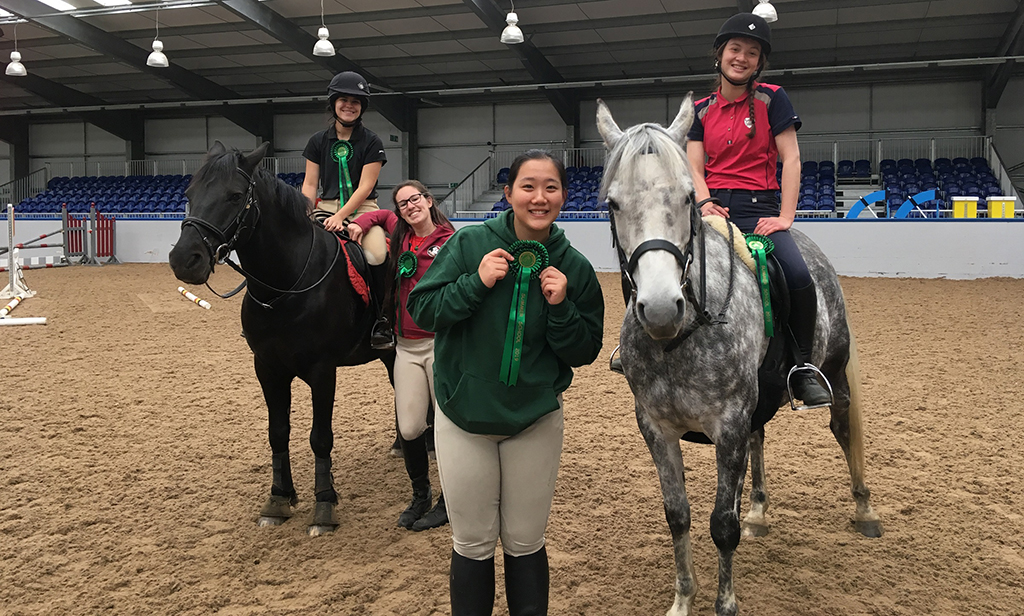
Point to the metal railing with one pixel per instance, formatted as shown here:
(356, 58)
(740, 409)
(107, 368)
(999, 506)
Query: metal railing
(466, 192)
(29, 186)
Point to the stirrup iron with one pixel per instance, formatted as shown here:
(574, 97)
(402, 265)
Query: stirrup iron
(814, 370)
(611, 361)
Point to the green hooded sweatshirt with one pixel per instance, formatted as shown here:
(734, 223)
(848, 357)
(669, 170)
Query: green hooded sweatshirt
(470, 321)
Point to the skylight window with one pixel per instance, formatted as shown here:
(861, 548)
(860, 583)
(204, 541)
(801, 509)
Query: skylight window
(60, 5)
(4, 13)
(113, 2)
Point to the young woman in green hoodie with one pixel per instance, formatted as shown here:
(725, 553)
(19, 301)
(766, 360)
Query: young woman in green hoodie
(514, 308)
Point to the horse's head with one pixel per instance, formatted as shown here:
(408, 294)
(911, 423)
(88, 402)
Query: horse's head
(221, 204)
(649, 191)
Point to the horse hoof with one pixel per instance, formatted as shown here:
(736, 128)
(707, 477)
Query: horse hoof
(317, 530)
(278, 507)
(266, 520)
(754, 530)
(869, 528)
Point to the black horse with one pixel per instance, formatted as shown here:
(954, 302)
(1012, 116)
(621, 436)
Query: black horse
(301, 315)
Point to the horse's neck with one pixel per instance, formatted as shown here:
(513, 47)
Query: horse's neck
(281, 242)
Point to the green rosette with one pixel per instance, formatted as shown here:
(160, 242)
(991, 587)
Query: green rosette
(760, 247)
(529, 260)
(407, 262)
(341, 152)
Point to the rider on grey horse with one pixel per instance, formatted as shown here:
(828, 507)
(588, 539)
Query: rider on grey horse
(739, 134)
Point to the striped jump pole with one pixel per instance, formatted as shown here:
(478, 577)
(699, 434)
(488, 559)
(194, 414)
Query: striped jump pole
(11, 305)
(195, 300)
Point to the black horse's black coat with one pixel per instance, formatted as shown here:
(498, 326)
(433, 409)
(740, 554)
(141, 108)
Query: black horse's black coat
(318, 323)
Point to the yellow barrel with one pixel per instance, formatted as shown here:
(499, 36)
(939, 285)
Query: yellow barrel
(1001, 207)
(965, 207)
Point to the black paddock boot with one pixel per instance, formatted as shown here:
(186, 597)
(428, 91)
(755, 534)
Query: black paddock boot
(382, 336)
(803, 313)
(526, 584)
(415, 454)
(438, 516)
(471, 586)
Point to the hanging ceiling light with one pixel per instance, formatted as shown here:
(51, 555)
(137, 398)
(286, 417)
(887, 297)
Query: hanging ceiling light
(157, 59)
(512, 35)
(766, 11)
(16, 68)
(323, 47)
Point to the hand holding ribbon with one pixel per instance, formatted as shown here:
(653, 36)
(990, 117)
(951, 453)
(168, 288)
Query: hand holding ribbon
(529, 258)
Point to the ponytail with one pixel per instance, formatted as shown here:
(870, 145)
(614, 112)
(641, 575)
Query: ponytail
(750, 105)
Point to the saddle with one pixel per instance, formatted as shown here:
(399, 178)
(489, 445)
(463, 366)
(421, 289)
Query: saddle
(778, 359)
(358, 269)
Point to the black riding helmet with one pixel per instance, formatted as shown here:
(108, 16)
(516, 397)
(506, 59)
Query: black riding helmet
(351, 84)
(746, 25)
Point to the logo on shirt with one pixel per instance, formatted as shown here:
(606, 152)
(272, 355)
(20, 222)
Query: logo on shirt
(748, 122)
(433, 250)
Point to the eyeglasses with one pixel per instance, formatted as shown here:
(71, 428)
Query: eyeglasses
(414, 199)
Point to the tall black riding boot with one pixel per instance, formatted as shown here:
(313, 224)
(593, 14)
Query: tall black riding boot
(382, 336)
(414, 453)
(526, 584)
(803, 313)
(471, 586)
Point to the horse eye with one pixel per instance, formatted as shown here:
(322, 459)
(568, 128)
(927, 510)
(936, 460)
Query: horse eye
(613, 205)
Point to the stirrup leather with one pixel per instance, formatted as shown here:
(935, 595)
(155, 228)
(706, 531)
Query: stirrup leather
(815, 371)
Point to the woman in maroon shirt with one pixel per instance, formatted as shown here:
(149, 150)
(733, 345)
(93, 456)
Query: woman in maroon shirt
(417, 233)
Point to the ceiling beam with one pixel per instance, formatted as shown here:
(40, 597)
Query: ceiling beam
(538, 66)
(1010, 44)
(79, 31)
(300, 41)
(60, 95)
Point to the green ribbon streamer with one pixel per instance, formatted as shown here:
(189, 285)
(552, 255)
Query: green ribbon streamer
(341, 151)
(760, 247)
(530, 258)
(405, 268)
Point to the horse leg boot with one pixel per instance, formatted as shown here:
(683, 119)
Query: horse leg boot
(325, 519)
(278, 507)
(526, 584)
(803, 314)
(414, 453)
(382, 336)
(471, 586)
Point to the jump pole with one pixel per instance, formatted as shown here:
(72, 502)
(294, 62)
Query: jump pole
(16, 285)
(195, 300)
(23, 321)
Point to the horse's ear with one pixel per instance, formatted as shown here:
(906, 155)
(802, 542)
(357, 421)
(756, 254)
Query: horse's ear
(684, 119)
(606, 125)
(216, 150)
(253, 158)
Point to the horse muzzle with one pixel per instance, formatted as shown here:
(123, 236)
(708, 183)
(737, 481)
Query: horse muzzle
(190, 260)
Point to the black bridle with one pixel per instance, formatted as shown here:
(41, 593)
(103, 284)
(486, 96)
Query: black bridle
(221, 253)
(684, 259)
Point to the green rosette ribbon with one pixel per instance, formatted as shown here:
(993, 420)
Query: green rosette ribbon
(529, 259)
(760, 247)
(406, 264)
(341, 151)
(404, 268)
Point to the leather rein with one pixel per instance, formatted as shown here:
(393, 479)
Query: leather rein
(684, 259)
(221, 253)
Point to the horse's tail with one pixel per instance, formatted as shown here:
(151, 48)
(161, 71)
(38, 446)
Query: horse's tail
(853, 379)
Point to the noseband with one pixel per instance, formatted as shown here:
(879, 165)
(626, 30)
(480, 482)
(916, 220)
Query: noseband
(684, 259)
(219, 253)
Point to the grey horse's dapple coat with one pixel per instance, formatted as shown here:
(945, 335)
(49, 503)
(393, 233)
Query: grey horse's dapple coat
(708, 383)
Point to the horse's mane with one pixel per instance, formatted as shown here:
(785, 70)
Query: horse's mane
(285, 196)
(644, 140)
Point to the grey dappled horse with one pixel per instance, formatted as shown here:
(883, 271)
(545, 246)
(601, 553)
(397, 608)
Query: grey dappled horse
(691, 375)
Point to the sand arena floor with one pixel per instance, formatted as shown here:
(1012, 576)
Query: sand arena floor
(134, 458)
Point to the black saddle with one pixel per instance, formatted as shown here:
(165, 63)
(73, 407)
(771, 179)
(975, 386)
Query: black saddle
(780, 357)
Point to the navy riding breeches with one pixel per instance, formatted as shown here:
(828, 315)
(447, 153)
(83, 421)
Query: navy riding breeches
(746, 207)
